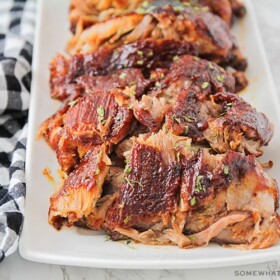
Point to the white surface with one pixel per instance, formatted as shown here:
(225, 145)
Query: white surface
(79, 247)
(14, 267)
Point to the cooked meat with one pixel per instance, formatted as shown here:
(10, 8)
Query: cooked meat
(174, 193)
(190, 70)
(131, 79)
(239, 126)
(150, 111)
(70, 77)
(181, 23)
(185, 72)
(51, 128)
(149, 192)
(94, 119)
(145, 55)
(81, 190)
(60, 86)
(83, 14)
(223, 184)
(224, 120)
(222, 8)
(157, 145)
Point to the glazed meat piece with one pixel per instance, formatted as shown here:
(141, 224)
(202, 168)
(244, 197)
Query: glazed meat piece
(174, 193)
(78, 196)
(219, 187)
(51, 128)
(83, 14)
(225, 9)
(238, 127)
(94, 119)
(224, 120)
(148, 196)
(67, 85)
(145, 55)
(130, 79)
(222, 8)
(185, 72)
(181, 23)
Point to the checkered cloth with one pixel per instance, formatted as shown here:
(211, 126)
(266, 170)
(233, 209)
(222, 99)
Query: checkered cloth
(17, 21)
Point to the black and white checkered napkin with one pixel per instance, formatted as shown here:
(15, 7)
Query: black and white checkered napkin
(17, 21)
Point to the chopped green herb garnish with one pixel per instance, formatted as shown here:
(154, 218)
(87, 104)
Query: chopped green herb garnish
(226, 170)
(140, 53)
(132, 91)
(178, 9)
(193, 201)
(140, 10)
(145, 4)
(97, 171)
(133, 83)
(186, 129)
(158, 84)
(140, 62)
(198, 184)
(229, 105)
(166, 128)
(220, 78)
(122, 76)
(127, 169)
(191, 237)
(101, 112)
(190, 119)
(151, 8)
(73, 103)
(126, 220)
(222, 114)
(204, 85)
(215, 135)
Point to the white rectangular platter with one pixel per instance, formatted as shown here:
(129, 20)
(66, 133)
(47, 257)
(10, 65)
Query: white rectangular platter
(41, 242)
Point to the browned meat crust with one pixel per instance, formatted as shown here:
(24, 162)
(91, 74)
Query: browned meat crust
(209, 32)
(207, 197)
(83, 14)
(145, 55)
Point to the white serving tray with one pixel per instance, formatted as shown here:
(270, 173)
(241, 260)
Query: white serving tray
(41, 242)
